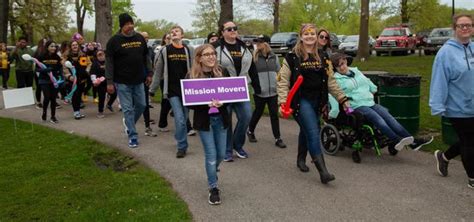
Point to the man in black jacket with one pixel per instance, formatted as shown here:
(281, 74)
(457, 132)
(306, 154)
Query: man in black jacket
(127, 63)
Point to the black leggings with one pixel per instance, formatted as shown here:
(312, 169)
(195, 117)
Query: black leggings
(76, 98)
(24, 79)
(5, 73)
(260, 103)
(49, 96)
(102, 91)
(465, 147)
(38, 88)
(146, 112)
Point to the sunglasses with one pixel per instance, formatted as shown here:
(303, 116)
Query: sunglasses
(230, 29)
(324, 37)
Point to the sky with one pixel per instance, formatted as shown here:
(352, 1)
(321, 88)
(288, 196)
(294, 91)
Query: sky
(179, 11)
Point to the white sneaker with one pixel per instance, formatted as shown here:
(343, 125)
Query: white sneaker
(192, 132)
(404, 142)
(149, 132)
(163, 129)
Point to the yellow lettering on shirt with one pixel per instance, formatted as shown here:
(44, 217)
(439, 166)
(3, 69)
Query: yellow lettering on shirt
(236, 53)
(177, 57)
(129, 45)
(310, 65)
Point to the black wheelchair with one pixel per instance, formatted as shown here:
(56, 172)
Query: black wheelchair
(355, 132)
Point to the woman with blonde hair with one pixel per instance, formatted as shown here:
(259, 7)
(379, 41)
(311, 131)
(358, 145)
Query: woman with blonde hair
(312, 96)
(267, 65)
(211, 126)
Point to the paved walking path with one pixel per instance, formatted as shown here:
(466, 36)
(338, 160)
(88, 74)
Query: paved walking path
(269, 187)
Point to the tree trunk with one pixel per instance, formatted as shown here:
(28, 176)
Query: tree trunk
(80, 15)
(103, 21)
(363, 52)
(276, 16)
(227, 13)
(4, 6)
(404, 11)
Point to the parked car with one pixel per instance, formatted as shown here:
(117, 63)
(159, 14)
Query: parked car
(436, 39)
(341, 37)
(197, 42)
(422, 37)
(153, 43)
(248, 39)
(350, 45)
(283, 42)
(395, 39)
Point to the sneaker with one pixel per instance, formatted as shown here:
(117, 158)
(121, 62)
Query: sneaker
(441, 163)
(404, 142)
(192, 132)
(58, 106)
(228, 157)
(419, 142)
(39, 106)
(149, 132)
(181, 154)
(5, 87)
(251, 137)
(53, 120)
(152, 121)
(43, 117)
(100, 115)
(279, 143)
(164, 129)
(214, 198)
(110, 108)
(96, 100)
(125, 128)
(470, 183)
(133, 143)
(151, 107)
(242, 154)
(79, 116)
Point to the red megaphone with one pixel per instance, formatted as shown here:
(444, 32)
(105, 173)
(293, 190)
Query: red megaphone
(285, 108)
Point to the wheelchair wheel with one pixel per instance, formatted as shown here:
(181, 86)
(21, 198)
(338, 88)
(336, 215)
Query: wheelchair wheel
(330, 139)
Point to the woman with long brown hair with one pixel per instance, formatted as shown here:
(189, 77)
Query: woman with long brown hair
(311, 97)
(212, 127)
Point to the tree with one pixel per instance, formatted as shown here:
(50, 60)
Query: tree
(255, 26)
(227, 12)
(156, 28)
(4, 6)
(207, 16)
(82, 7)
(103, 21)
(404, 11)
(276, 16)
(363, 52)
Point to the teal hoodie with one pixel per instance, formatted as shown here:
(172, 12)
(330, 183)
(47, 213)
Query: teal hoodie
(452, 81)
(359, 88)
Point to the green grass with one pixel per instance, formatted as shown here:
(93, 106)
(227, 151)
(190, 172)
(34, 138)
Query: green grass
(412, 65)
(50, 175)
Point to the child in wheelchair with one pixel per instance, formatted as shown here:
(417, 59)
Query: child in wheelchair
(361, 91)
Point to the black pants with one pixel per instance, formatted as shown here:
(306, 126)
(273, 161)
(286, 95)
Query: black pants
(165, 108)
(49, 96)
(88, 86)
(146, 112)
(102, 92)
(24, 79)
(5, 73)
(76, 97)
(272, 108)
(38, 88)
(465, 147)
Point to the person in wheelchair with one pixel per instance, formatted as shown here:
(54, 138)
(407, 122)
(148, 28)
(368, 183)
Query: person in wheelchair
(361, 92)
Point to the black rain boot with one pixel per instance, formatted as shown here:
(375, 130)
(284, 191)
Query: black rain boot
(301, 159)
(321, 166)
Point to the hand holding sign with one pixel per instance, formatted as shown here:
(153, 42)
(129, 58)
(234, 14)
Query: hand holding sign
(285, 108)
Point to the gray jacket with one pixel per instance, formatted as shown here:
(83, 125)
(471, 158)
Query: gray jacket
(267, 74)
(225, 60)
(160, 71)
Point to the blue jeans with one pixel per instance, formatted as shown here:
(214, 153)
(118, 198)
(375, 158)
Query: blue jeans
(132, 100)
(236, 140)
(308, 120)
(180, 116)
(382, 120)
(214, 142)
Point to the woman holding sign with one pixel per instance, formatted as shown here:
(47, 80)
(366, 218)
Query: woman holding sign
(234, 56)
(315, 79)
(211, 120)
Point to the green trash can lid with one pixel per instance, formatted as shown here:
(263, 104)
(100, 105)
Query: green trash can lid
(400, 80)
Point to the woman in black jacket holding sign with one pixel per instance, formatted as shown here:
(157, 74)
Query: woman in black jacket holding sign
(210, 120)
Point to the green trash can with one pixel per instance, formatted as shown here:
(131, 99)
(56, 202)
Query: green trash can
(449, 135)
(400, 94)
(374, 76)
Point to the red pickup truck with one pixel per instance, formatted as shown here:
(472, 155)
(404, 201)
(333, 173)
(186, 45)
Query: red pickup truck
(395, 40)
